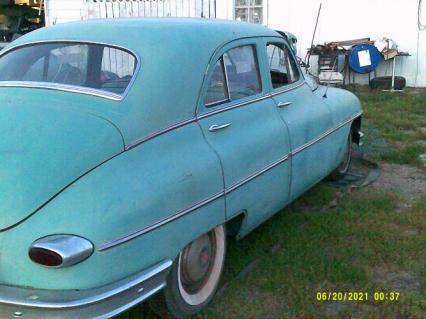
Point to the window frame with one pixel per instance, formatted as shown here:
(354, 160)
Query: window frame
(225, 49)
(228, 93)
(74, 88)
(263, 6)
(280, 41)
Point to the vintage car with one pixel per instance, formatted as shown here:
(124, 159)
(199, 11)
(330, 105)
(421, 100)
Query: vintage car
(132, 147)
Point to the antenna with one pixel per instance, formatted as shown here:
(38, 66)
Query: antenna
(308, 56)
(316, 24)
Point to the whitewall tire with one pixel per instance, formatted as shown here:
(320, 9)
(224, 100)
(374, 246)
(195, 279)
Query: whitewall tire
(195, 275)
(343, 168)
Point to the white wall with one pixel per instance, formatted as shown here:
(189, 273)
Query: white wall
(60, 11)
(340, 20)
(352, 19)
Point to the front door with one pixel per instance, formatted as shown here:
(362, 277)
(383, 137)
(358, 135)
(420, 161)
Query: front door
(240, 122)
(305, 115)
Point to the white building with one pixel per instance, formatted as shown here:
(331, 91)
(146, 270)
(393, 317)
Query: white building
(339, 20)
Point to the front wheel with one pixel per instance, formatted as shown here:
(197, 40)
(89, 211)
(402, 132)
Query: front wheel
(343, 167)
(194, 277)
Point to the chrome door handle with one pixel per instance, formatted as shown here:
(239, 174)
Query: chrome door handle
(283, 104)
(216, 127)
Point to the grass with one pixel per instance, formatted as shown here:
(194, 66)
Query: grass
(342, 249)
(365, 243)
(398, 118)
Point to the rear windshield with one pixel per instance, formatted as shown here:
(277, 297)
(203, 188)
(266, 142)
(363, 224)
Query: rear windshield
(78, 64)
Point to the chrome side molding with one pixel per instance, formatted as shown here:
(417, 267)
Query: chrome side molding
(126, 238)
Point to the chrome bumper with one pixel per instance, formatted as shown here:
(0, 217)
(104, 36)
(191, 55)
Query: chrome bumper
(103, 302)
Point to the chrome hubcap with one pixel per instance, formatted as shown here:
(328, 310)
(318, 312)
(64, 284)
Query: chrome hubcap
(196, 262)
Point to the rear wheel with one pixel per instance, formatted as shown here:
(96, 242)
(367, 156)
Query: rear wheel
(194, 277)
(344, 166)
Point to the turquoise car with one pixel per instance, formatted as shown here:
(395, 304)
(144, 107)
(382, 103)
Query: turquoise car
(132, 148)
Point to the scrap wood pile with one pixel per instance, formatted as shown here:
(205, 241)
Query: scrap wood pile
(387, 47)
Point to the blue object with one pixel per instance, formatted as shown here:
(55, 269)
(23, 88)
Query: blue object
(364, 58)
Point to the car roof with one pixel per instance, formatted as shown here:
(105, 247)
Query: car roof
(125, 31)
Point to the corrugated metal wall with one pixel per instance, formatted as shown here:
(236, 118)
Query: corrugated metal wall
(58, 11)
(149, 8)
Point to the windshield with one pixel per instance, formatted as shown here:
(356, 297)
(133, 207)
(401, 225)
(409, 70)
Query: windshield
(78, 64)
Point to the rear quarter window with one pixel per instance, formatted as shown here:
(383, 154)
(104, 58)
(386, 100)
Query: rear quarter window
(84, 65)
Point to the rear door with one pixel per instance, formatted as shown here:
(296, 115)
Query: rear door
(305, 115)
(241, 123)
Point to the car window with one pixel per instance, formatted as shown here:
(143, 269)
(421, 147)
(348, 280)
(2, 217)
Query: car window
(116, 70)
(35, 73)
(242, 72)
(78, 64)
(282, 66)
(235, 76)
(217, 91)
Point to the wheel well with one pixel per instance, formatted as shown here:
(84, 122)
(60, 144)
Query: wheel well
(233, 226)
(355, 129)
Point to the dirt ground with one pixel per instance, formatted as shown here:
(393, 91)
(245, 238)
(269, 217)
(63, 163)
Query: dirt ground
(406, 180)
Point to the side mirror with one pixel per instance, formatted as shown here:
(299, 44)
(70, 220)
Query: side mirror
(309, 78)
(302, 63)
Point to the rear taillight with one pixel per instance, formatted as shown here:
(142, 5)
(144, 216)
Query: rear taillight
(60, 250)
(45, 257)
